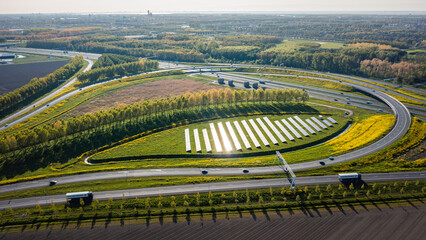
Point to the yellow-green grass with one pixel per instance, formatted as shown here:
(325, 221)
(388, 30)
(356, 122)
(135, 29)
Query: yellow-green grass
(295, 45)
(173, 141)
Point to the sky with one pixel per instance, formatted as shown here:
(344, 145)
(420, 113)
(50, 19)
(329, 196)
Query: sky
(141, 6)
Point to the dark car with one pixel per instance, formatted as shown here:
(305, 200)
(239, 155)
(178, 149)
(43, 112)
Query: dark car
(52, 182)
(245, 171)
(204, 172)
(322, 163)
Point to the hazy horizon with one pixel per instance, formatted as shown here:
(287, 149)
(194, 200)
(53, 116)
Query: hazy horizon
(218, 6)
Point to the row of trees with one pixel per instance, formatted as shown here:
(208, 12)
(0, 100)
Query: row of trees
(39, 86)
(403, 72)
(119, 70)
(143, 111)
(110, 59)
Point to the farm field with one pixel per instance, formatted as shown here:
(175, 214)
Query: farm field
(165, 88)
(13, 76)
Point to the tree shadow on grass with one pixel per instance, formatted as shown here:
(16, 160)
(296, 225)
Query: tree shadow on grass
(175, 216)
(253, 214)
(353, 208)
(188, 216)
(340, 208)
(108, 220)
(214, 214)
(326, 207)
(314, 208)
(279, 213)
(412, 204)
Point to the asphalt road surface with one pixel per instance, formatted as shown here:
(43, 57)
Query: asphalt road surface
(209, 187)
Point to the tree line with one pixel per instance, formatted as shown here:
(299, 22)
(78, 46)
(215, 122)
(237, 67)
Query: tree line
(144, 110)
(403, 72)
(38, 86)
(110, 59)
(119, 70)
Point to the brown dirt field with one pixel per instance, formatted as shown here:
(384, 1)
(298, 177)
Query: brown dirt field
(354, 222)
(132, 94)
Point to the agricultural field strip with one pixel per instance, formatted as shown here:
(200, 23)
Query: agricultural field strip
(266, 130)
(332, 120)
(253, 138)
(242, 135)
(306, 134)
(327, 122)
(197, 141)
(207, 140)
(319, 122)
(225, 139)
(233, 136)
(313, 125)
(279, 135)
(259, 133)
(187, 140)
(304, 124)
(281, 127)
(215, 138)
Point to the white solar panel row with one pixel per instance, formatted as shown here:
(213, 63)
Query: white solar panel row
(187, 140)
(298, 127)
(279, 135)
(233, 136)
(328, 123)
(319, 122)
(207, 140)
(332, 120)
(252, 137)
(197, 141)
(225, 139)
(296, 133)
(304, 124)
(242, 135)
(259, 133)
(313, 125)
(281, 127)
(268, 133)
(215, 138)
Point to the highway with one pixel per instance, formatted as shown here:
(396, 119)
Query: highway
(403, 121)
(209, 187)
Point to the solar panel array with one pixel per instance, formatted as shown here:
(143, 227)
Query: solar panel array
(259, 133)
(197, 141)
(223, 142)
(288, 135)
(207, 141)
(319, 122)
(242, 135)
(253, 138)
(233, 136)
(215, 138)
(304, 124)
(266, 130)
(328, 123)
(332, 120)
(318, 129)
(296, 133)
(187, 140)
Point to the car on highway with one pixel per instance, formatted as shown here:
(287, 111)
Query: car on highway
(52, 182)
(47, 105)
(331, 158)
(336, 100)
(245, 171)
(6, 125)
(204, 172)
(368, 102)
(322, 163)
(380, 110)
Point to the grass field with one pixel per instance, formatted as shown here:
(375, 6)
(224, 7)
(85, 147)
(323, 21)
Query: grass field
(172, 141)
(296, 45)
(33, 58)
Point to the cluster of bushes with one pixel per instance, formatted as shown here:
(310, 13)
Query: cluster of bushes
(110, 59)
(119, 70)
(38, 86)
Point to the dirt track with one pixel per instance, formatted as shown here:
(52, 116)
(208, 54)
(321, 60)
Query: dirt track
(369, 222)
